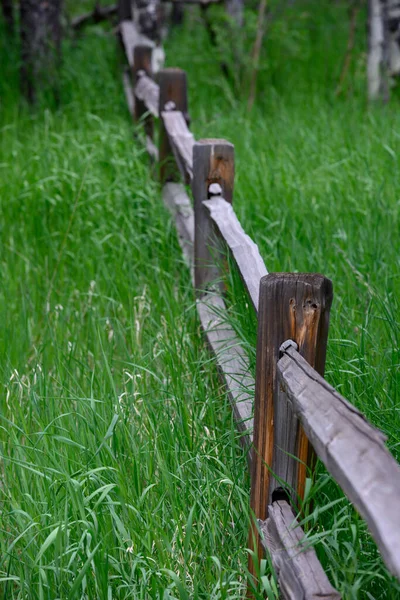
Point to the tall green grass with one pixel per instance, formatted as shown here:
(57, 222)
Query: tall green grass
(317, 187)
(121, 474)
(120, 469)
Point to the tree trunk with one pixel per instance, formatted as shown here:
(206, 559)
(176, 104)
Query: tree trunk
(375, 48)
(393, 26)
(8, 14)
(40, 46)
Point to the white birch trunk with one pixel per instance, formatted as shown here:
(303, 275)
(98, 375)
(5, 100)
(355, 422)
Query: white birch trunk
(375, 48)
(394, 37)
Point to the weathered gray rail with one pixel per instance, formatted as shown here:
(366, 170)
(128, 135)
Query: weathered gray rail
(352, 450)
(292, 404)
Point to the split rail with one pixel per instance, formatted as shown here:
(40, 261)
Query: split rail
(288, 413)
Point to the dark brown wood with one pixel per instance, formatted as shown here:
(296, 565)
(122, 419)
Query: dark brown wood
(142, 67)
(124, 10)
(232, 361)
(245, 252)
(292, 306)
(213, 162)
(352, 450)
(179, 204)
(181, 141)
(173, 93)
(299, 572)
(98, 14)
(142, 54)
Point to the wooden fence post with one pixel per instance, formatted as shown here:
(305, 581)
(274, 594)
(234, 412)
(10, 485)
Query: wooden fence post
(213, 162)
(293, 306)
(142, 56)
(173, 96)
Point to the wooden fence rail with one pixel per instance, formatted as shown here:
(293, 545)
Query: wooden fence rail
(352, 450)
(245, 252)
(288, 411)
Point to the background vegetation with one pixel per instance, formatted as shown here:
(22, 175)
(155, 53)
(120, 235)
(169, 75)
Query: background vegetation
(121, 473)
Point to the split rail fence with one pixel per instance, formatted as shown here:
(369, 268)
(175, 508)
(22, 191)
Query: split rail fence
(294, 413)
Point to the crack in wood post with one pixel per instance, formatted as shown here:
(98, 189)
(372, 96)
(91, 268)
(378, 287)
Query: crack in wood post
(291, 306)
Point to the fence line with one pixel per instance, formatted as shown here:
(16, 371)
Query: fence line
(292, 403)
(244, 251)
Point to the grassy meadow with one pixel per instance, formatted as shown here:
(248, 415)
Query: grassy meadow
(317, 187)
(121, 473)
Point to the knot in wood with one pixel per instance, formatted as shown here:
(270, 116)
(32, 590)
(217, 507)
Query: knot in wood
(311, 304)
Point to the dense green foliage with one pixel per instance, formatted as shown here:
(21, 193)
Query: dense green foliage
(121, 473)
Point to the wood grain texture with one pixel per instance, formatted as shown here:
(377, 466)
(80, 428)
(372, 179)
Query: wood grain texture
(244, 250)
(148, 92)
(299, 572)
(352, 450)
(180, 206)
(292, 306)
(181, 141)
(233, 363)
(213, 162)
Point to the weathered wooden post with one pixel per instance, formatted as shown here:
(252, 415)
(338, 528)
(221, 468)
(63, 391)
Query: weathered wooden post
(213, 162)
(142, 56)
(173, 96)
(293, 306)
